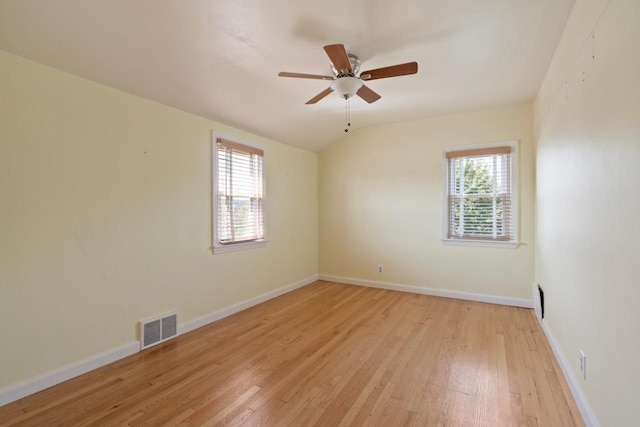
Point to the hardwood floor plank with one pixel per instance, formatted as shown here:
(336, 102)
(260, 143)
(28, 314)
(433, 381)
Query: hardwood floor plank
(327, 354)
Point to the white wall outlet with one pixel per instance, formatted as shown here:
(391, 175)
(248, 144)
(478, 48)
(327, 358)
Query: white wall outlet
(380, 270)
(583, 365)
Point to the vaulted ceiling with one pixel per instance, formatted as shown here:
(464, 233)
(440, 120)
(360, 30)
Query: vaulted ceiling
(220, 58)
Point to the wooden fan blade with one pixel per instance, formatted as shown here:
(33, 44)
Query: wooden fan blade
(338, 56)
(392, 71)
(319, 96)
(367, 94)
(304, 76)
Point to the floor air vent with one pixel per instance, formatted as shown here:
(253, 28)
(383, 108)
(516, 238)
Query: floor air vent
(158, 329)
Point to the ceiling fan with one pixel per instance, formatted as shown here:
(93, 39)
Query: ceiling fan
(345, 78)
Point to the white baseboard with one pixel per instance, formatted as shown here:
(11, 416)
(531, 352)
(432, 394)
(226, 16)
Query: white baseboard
(515, 302)
(581, 400)
(243, 305)
(50, 379)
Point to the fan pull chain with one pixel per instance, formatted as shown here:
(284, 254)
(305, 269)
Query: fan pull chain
(347, 115)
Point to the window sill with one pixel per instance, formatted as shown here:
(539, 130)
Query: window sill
(482, 243)
(219, 249)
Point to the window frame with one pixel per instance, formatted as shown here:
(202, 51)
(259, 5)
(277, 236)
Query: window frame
(217, 246)
(515, 198)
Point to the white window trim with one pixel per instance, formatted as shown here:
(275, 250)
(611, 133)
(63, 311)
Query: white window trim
(515, 194)
(217, 246)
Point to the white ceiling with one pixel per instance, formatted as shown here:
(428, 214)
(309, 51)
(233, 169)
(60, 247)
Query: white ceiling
(220, 58)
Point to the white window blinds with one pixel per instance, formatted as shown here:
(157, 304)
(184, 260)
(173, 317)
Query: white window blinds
(240, 204)
(479, 187)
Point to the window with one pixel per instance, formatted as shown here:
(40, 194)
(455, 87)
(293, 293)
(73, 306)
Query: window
(238, 196)
(480, 195)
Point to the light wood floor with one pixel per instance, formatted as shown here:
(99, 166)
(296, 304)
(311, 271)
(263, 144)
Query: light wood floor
(328, 354)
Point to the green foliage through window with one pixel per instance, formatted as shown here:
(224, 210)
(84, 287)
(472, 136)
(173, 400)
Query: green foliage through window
(480, 197)
(240, 216)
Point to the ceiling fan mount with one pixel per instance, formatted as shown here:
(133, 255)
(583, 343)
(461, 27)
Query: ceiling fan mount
(345, 79)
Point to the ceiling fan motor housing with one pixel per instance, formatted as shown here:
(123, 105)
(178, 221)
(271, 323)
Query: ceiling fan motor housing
(355, 67)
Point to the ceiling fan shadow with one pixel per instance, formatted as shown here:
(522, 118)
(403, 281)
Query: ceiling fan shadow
(374, 41)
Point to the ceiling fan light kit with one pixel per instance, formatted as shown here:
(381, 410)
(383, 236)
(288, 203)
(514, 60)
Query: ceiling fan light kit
(346, 87)
(346, 82)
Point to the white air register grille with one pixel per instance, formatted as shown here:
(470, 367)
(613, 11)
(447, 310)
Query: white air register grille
(158, 329)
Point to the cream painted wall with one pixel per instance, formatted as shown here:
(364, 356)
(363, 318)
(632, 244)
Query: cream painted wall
(105, 219)
(588, 199)
(380, 198)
